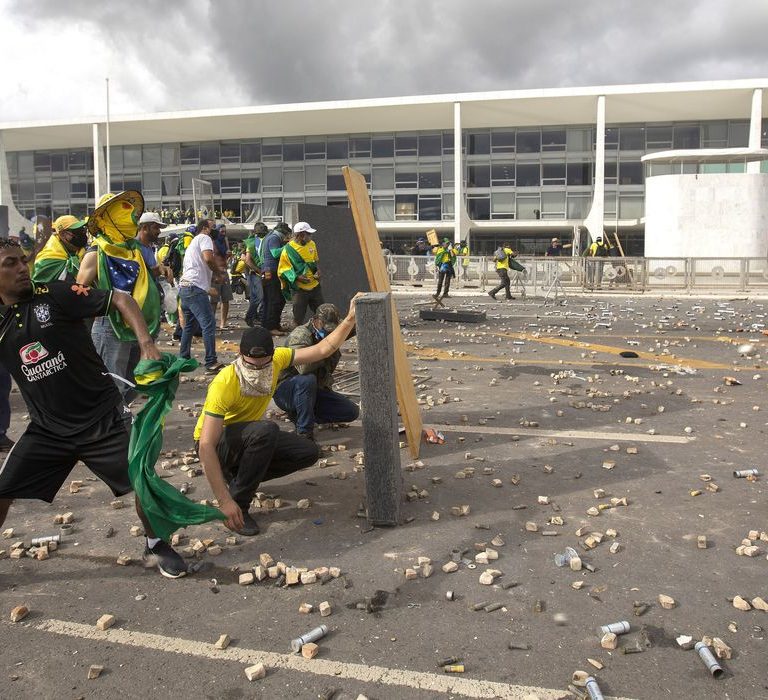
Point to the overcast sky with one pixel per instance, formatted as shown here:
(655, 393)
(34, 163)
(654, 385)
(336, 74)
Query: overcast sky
(195, 54)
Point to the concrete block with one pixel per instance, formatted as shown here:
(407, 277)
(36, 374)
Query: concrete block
(105, 622)
(325, 609)
(255, 672)
(222, 642)
(94, 672)
(310, 650)
(246, 579)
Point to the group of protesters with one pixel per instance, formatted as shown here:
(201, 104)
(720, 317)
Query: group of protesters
(78, 330)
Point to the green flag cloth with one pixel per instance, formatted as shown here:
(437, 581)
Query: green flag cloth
(166, 508)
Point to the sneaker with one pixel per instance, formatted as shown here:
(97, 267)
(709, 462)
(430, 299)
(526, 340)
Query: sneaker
(214, 369)
(446, 296)
(169, 562)
(250, 526)
(309, 435)
(492, 295)
(6, 444)
(510, 298)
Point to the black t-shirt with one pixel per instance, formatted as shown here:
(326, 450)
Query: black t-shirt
(48, 350)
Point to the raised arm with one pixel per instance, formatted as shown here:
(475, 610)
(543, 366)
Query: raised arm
(331, 343)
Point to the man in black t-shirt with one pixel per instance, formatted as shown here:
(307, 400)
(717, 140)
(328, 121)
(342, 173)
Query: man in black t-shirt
(75, 409)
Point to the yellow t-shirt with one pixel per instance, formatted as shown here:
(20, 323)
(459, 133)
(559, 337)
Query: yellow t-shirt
(504, 264)
(240, 267)
(308, 253)
(224, 399)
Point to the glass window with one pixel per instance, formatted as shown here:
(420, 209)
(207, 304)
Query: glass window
(732, 168)
(272, 177)
(503, 205)
(230, 152)
(78, 161)
(553, 173)
(658, 137)
(319, 199)
(314, 175)
(503, 174)
(429, 208)
(42, 160)
(338, 201)
(579, 205)
(528, 207)
(610, 172)
(611, 137)
(738, 134)
(553, 205)
(293, 180)
(405, 207)
(272, 151)
(429, 177)
(170, 185)
(58, 162)
(272, 207)
(314, 150)
(190, 154)
(406, 146)
(209, 153)
(630, 207)
(686, 136)
(448, 171)
(150, 156)
(151, 182)
(384, 209)
(383, 148)
(170, 155)
(335, 180)
(502, 141)
(579, 173)
(528, 141)
(293, 151)
(578, 140)
(132, 158)
(478, 143)
(43, 189)
(714, 135)
(27, 164)
(405, 176)
(186, 181)
(360, 147)
(478, 175)
(630, 173)
(250, 152)
(528, 174)
(448, 207)
(632, 138)
(78, 186)
(231, 185)
(383, 178)
(553, 140)
(132, 183)
(479, 208)
(250, 185)
(430, 145)
(60, 189)
(448, 148)
(27, 189)
(610, 204)
(338, 150)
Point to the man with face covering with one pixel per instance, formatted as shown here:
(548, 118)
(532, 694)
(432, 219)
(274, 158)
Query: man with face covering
(239, 450)
(299, 276)
(60, 257)
(115, 263)
(270, 251)
(305, 390)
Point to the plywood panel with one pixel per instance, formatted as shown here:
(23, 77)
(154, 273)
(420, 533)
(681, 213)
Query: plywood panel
(378, 279)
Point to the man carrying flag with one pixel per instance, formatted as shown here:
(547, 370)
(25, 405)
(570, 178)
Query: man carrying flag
(298, 273)
(60, 257)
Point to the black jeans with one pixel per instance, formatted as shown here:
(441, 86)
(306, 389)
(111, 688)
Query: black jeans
(302, 299)
(504, 283)
(443, 278)
(259, 451)
(274, 302)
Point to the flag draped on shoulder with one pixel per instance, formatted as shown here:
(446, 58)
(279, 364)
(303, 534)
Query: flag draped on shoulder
(166, 509)
(54, 262)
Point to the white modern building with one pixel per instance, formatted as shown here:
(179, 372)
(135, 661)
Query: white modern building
(533, 163)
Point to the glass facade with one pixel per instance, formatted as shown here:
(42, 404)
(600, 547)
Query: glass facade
(509, 174)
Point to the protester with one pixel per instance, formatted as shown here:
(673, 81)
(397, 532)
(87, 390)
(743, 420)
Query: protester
(76, 412)
(253, 265)
(194, 286)
(239, 450)
(598, 249)
(298, 272)
(304, 391)
(148, 234)
(269, 252)
(556, 248)
(116, 263)
(504, 258)
(60, 257)
(445, 259)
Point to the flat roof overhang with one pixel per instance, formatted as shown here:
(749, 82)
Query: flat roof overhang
(663, 102)
(708, 155)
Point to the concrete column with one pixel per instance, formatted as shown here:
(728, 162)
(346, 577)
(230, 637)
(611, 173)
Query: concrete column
(594, 220)
(100, 184)
(458, 171)
(383, 477)
(756, 127)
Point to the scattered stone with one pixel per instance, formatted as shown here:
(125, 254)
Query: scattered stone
(325, 609)
(19, 613)
(255, 672)
(246, 579)
(105, 622)
(740, 604)
(222, 642)
(306, 608)
(609, 641)
(701, 541)
(94, 672)
(310, 650)
(667, 602)
(759, 604)
(685, 641)
(450, 567)
(722, 650)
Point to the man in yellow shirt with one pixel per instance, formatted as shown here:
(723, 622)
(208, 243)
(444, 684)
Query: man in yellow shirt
(298, 273)
(239, 450)
(503, 255)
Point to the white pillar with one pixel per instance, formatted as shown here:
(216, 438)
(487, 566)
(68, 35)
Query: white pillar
(756, 127)
(458, 172)
(594, 220)
(98, 167)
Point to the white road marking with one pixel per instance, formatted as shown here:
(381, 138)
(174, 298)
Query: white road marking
(381, 675)
(570, 434)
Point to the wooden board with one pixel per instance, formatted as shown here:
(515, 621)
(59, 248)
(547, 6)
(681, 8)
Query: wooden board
(342, 268)
(378, 279)
(432, 237)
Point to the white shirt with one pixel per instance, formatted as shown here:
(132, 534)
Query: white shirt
(196, 270)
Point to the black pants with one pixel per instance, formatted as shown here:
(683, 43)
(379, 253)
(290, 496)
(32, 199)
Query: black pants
(274, 302)
(259, 451)
(443, 278)
(302, 299)
(504, 283)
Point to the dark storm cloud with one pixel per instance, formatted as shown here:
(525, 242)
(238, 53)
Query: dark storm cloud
(296, 51)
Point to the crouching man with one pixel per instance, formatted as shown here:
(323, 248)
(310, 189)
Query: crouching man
(304, 391)
(239, 450)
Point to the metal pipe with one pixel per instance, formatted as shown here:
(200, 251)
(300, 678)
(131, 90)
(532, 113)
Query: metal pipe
(709, 659)
(109, 159)
(594, 689)
(311, 636)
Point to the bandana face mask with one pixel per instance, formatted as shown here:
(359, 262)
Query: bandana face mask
(254, 381)
(119, 222)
